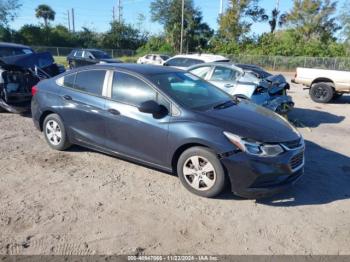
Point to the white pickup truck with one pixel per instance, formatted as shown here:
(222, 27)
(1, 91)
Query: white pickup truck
(325, 85)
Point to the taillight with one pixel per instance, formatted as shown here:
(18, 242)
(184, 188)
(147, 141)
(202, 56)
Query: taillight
(34, 90)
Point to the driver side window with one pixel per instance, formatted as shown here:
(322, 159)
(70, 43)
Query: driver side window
(131, 90)
(223, 74)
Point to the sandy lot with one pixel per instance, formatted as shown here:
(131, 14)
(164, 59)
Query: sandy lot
(84, 202)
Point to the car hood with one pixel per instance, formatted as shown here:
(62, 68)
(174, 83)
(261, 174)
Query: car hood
(249, 120)
(276, 79)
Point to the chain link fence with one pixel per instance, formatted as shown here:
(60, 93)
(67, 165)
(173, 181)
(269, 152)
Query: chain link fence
(275, 63)
(64, 51)
(285, 63)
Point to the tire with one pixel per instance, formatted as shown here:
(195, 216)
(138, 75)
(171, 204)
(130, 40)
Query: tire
(55, 136)
(210, 183)
(2, 110)
(322, 92)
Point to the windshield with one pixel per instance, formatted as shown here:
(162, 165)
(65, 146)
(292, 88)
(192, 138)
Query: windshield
(100, 55)
(165, 57)
(190, 91)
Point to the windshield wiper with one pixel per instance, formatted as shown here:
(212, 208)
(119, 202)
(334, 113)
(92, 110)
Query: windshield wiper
(224, 105)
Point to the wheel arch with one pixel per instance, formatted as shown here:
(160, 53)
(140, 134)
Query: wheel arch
(182, 149)
(44, 115)
(323, 80)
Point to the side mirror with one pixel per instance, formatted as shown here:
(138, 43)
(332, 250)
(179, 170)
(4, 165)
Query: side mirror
(165, 64)
(91, 57)
(150, 107)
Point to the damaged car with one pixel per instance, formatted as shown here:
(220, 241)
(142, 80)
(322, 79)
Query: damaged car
(19, 73)
(270, 92)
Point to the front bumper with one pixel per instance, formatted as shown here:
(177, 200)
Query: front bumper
(257, 177)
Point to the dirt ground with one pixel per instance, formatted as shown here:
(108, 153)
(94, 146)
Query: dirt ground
(84, 202)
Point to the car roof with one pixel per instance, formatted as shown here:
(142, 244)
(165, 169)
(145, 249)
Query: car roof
(5, 44)
(224, 64)
(88, 49)
(154, 54)
(205, 57)
(136, 68)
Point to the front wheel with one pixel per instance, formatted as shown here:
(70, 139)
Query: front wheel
(55, 133)
(201, 172)
(321, 92)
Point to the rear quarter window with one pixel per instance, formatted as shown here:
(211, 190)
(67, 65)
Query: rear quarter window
(68, 80)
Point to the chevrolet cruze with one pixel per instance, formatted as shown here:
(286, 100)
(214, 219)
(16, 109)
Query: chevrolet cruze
(173, 121)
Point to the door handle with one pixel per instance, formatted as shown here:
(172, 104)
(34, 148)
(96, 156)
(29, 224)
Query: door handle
(67, 97)
(114, 111)
(229, 85)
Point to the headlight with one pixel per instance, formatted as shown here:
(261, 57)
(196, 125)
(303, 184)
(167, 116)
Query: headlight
(253, 147)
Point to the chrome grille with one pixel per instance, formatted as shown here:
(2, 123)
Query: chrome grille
(296, 161)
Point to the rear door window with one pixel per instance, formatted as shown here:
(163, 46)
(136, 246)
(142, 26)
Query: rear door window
(90, 81)
(190, 62)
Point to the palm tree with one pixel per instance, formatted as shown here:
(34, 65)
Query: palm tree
(45, 12)
(275, 19)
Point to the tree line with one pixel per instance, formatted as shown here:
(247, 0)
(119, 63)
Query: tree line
(309, 28)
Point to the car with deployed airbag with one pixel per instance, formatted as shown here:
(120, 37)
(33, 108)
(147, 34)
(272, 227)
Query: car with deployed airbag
(173, 121)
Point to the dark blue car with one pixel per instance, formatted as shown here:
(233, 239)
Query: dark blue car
(173, 121)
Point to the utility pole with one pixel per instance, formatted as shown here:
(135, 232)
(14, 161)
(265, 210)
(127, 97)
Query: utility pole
(221, 7)
(182, 25)
(68, 15)
(73, 20)
(113, 13)
(120, 8)
(277, 5)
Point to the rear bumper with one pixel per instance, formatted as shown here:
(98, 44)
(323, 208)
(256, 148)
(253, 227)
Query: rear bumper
(36, 113)
(257, 177)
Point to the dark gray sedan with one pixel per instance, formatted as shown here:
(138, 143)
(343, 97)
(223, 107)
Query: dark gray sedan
(173, 121)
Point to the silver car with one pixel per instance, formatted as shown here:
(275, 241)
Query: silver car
(270, 92)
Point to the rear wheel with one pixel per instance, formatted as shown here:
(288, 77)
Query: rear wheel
(201, 172)
(322, 92)
(55, 133)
